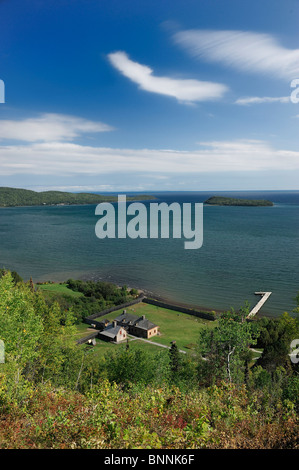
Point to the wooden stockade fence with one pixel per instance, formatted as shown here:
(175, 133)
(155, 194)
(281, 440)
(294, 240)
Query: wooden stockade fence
(91, 319)
(176, 308)
(85, 339)
(141, 298)
(116, 307)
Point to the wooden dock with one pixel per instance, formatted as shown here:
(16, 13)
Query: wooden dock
(255, 310)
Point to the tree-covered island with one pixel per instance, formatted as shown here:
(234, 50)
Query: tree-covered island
(12, 197)
(230, 201)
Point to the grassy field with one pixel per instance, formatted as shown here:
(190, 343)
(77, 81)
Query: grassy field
(102, 347)
(56, 288)
(105, 348)
(174, 326)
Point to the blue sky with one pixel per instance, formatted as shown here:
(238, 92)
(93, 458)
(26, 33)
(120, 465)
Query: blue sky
(149, 95)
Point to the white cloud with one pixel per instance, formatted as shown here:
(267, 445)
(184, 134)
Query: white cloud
(69, 159)
(242, 50)
(264, 99)
(49, 127)
(184, 90)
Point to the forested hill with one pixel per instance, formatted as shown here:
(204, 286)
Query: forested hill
(230, 201)
(10, 197)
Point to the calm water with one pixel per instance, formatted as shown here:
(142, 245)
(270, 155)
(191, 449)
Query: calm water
(246, 249)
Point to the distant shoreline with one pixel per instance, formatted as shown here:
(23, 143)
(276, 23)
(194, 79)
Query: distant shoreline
(83, 204)
(15, 197)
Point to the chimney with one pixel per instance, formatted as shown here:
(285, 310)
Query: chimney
(114, 324)
(143, 317)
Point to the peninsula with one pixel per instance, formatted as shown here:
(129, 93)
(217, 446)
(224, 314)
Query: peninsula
(230, 201)
(12, 197)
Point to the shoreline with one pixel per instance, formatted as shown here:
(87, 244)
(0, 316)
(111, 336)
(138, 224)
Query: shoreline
(148, 293)
(153, 295)
(181, 304)
(62, 204)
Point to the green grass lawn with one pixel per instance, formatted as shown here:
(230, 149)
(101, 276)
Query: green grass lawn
(102, 347)
(83, 330)
(57, 288)
(174, 326)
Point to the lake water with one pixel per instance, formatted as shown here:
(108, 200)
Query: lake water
(245, 249)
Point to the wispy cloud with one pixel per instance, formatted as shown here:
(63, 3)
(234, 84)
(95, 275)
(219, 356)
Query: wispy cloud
(246, 51)
(184, 90)
(261, 100)
(70, 159)
(49, 127)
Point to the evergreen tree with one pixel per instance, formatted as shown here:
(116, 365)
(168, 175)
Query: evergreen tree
(174, 355)
(31, 284)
